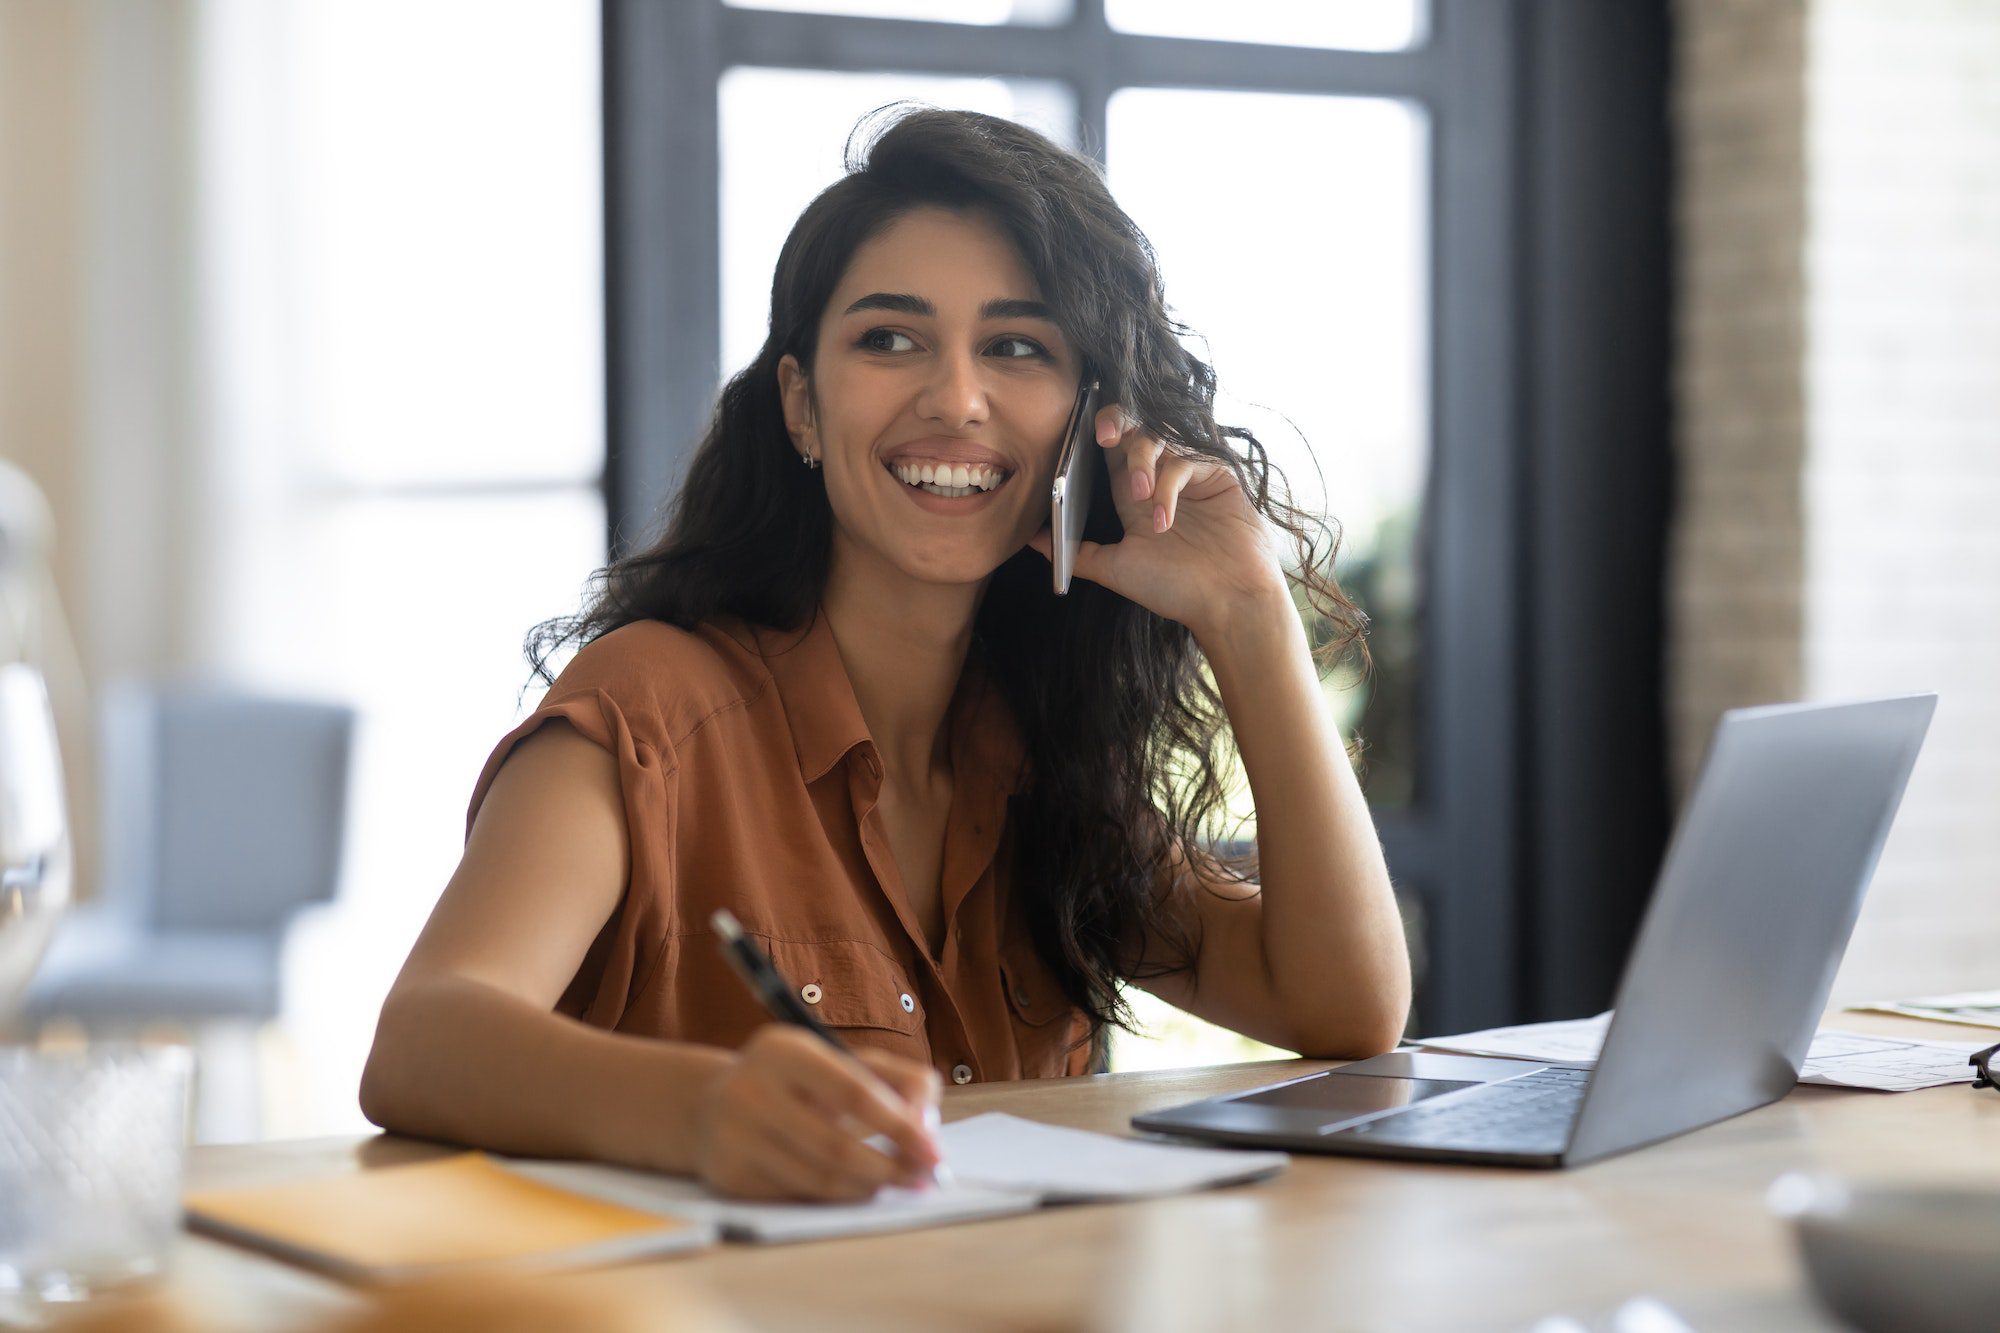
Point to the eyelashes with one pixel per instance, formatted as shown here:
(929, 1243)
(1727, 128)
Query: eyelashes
(868, 340)
(871, 341)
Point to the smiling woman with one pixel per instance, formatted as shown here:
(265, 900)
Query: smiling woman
(944, 362)
(838, 698)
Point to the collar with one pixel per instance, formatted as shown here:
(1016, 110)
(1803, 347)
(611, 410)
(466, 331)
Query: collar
(826, 722)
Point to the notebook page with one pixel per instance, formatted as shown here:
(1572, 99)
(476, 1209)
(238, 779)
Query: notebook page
(1005, 1152)
(890, 1210)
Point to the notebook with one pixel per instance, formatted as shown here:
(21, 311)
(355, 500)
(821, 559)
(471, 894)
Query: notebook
(1000, 1165)
(404, 1221)
(399, 1222)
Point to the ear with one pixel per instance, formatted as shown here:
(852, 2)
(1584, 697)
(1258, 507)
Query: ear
(797, 402)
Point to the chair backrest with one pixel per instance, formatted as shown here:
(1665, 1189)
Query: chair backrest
(223, 810)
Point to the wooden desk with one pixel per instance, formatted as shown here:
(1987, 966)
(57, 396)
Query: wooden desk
(1332, 1243)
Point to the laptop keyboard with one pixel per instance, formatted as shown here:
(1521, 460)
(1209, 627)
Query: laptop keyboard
(1527, 1114)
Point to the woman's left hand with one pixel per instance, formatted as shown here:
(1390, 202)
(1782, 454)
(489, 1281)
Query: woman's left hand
(1195, 549)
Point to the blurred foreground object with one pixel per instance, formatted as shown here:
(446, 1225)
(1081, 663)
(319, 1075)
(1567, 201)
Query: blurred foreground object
(630, 1301)
(93, 1143)
(1897, 1258)
(35, 863)
(34, 834)
(31, 616)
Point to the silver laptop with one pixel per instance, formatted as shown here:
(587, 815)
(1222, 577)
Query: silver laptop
(1751, 913)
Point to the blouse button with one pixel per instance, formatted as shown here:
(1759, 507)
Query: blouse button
(810, 992)
(909, 1005)
(961, 1074)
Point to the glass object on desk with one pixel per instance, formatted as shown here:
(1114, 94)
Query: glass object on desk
(93, 1142)
(34, 833)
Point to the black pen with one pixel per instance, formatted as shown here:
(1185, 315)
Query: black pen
(775, 994)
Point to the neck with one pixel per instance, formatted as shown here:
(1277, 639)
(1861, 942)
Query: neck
(904, 643)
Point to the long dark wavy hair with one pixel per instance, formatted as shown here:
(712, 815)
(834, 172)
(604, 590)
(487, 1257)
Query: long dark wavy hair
(1126, 735)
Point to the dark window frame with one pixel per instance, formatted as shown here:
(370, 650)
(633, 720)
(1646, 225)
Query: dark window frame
(1541, 810)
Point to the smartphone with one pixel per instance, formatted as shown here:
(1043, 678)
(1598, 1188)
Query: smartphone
(1076, 471)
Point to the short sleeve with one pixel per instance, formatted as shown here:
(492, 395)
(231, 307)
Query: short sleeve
(628, 947)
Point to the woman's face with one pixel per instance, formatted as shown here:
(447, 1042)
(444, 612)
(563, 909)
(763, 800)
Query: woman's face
(935, 352)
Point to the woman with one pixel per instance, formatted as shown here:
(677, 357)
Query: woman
(839, 698)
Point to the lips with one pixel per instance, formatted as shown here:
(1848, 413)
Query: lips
(944, 449)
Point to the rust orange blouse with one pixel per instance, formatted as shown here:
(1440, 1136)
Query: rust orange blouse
(749, 782)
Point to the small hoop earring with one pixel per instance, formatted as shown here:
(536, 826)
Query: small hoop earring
(810, 462)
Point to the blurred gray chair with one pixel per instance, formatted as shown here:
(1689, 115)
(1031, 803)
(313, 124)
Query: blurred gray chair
(223, 816)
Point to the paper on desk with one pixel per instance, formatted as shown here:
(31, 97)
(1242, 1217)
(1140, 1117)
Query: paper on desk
(1836, 1058)
(890, 1210)
(1071, 1165)
(1974, 1008)
(1000, 1164)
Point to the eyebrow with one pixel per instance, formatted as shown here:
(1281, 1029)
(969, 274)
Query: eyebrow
(908, 304)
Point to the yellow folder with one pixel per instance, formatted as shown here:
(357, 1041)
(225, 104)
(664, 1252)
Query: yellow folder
(396, 1222)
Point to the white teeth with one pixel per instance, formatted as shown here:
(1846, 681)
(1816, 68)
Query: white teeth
(961, 478)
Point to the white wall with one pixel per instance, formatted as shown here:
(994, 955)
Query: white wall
(1839, 431)
(1902, 484)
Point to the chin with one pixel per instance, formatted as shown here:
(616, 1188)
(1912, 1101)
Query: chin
(956, 567)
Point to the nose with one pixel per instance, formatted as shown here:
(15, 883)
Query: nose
(954, 396)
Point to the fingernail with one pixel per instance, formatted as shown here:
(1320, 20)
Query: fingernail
(1142, 485)
(1159, 518)
(1106, 431)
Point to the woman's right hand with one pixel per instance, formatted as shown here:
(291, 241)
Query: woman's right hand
(787, 1119)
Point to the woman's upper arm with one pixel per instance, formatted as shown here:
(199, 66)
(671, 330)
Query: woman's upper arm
(545, 865)
(1230, 984)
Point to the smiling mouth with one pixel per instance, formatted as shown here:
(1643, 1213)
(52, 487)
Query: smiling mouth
(945, 481)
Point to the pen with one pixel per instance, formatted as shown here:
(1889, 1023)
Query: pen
(775, 993)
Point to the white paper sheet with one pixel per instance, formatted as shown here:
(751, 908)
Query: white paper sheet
(1000, 1164)
(890, 1210)
(1973, 1008)
(1005, 1152)
(1836, 1058)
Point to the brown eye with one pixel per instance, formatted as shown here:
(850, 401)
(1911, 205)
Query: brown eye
(874, 339)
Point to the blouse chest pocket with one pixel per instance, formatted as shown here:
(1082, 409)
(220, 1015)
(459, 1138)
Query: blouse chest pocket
(1045, 1026)
(847, 984)
(1032, 992)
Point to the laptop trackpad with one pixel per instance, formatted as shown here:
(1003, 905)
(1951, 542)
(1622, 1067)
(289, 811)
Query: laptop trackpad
(1336, 1099)
(1341, 1097)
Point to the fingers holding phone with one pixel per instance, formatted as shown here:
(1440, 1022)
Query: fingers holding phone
(1147, 471)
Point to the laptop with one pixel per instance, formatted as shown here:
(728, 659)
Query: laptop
(1752, 910)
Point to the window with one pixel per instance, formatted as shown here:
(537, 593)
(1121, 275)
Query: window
(1501, 463)
(407, 355)
(1308, 268)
